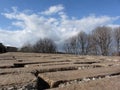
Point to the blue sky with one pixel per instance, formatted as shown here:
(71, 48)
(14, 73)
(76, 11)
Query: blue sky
(66, 17)
(73, 7)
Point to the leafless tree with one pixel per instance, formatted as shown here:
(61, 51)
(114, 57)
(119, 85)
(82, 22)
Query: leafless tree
(73, 44)
(45, 46)
(82, 42)
(77, 44)
(70, 45)
(91, 45)
(66, 46)
(117, 38)
(102, 38)
(27, 48)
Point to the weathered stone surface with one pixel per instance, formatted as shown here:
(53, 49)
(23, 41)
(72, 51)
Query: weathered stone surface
(36, 71)
(16, 80)
(100, 84)
(57, 77)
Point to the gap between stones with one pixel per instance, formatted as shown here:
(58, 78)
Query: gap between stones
(57, 69)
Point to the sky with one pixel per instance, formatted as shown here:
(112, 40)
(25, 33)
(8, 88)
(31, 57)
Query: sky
(26, 21)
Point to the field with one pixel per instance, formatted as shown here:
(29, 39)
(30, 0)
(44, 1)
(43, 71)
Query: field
(34, 71)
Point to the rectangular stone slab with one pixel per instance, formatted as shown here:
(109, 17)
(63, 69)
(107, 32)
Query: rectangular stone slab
(112, 83)
(16, 79)
(42, 69)
(55, 78)
(17, 64)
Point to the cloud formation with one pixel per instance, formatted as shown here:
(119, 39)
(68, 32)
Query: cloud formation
(53, 10)
(52, 23)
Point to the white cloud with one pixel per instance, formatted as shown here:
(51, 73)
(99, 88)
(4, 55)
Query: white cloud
(53, 9)
(113, 25)
(34, 26)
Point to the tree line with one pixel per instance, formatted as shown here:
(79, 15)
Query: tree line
(100, 41)
(41, 46)
(4, 49)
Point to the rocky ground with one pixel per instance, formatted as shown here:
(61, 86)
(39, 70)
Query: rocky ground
(31, 71)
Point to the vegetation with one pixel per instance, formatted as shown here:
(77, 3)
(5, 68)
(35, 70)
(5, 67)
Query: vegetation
(41, 46)
(2, 48)
(100, 41)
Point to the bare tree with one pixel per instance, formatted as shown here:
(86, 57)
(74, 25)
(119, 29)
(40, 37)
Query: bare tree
(91, 46)
(102, 38)
(27, 48)
(117, 38)
(82, 42)
(70, 45)
(77, 44)
(45, 46)
(73, 45)
(66, 46)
